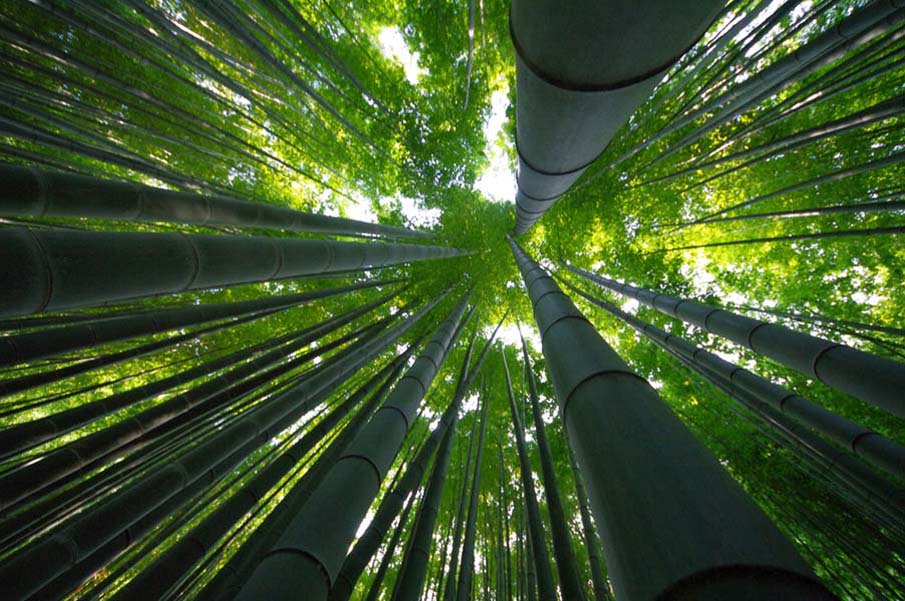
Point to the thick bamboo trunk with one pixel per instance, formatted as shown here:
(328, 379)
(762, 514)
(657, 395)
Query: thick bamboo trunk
(580, 73)
(307, 558)
(883, 453)
(365, 547)
(875, 380)
(410, 581)
(153, 582)
(40, 193)
(54, 270)
(235, 572)
(709, 541)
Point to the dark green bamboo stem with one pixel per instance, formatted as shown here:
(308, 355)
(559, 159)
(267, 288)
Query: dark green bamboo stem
(40, 193)
(566, 565)
(19, 348)
(539, 560)
(365, 547)
(838, 174)
(710, 541)
(598, 579)
(571, 104)
(307, 558)
(153, 582)
(883, 453)
(410, 581)
(80, 452)
(875, 380)
(466, 565)
(57, 270)
(857, 233)
(234, 573)
(377, 584)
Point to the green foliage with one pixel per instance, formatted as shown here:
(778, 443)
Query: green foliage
(179, 95)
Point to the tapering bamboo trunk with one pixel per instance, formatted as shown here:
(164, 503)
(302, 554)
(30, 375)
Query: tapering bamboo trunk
(580, 73)
(153, 582)
(235, 572)
(57, 270)
(40, 193)
(28, 434)
(410, 581)
(60, 462)
(598, 579)
(816, 49)
(466, 565)
(307, 558)
(710, 541)
(100, 329)
(539, 559)
(377, 582)
(566, 565)
(876, 449)
(365, 547)
(875, 380)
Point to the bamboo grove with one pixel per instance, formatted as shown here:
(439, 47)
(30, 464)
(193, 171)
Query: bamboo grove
(341, 300)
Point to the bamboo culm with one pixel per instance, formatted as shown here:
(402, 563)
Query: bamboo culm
(41, 193)
(539, 559)
(54, 270)
(875, 380)
(619, 428)
(307, 558)
(883, 453)
(19, 348)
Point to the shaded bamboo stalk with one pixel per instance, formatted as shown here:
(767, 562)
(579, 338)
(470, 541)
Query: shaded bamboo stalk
(875, 380)
(41, 193)
(307, 558)
(58, 270)
(620, 428)
(32, 568)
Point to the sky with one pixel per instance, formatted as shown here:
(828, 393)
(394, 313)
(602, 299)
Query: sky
(497, 182)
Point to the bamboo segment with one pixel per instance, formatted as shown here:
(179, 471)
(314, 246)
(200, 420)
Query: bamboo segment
(539, 558)
(154, 582)
(876, 449)
(40, 562)
(41, 193)
(66, 269)
(28, 434)
(710, 541)
(875, 380)
(579, 74)
(307, 558)
(19, 348)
